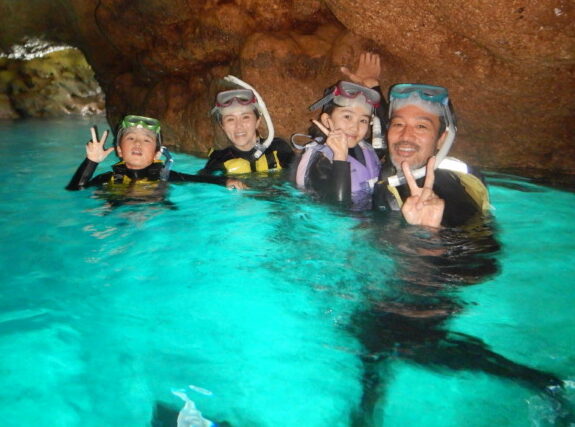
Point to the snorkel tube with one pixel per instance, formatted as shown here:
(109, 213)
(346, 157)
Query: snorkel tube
(261, 147)
(165, 172)
(376, 135)
(450, 128)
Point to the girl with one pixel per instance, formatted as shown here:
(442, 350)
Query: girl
(341, 166)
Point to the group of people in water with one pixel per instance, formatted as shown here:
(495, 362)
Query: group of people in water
(363, 152)
(346, 158)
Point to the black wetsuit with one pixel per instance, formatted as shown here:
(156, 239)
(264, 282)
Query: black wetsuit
(277, 156)
(83, 176)
(331, 179)
(460, 207)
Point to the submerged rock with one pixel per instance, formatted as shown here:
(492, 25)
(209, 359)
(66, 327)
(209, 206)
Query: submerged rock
(510, 67)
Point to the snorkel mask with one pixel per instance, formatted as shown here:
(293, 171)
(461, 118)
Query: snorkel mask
(242, 97)
(434, 99)
(344, 94)
(140, 122)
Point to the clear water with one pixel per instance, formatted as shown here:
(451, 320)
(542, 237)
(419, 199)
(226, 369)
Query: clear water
(256, 297)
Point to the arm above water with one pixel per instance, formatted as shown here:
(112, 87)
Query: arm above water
(331, 180)
(81, 178)
(95, 153)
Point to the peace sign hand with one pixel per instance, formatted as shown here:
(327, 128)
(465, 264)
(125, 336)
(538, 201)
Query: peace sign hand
(423, 207)
(95, 150)
(336, 140)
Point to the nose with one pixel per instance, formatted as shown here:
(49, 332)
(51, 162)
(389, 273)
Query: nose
(407, 132)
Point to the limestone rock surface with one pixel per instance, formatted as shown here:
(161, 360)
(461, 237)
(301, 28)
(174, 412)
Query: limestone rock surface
(509, 65)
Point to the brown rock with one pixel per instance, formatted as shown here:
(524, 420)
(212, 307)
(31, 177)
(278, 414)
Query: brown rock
(510, 66)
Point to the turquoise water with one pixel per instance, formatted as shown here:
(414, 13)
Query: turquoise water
(255, 296)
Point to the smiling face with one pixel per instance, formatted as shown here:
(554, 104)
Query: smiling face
(353, 121)
(137, 147)
(413, 136)
(240, 125)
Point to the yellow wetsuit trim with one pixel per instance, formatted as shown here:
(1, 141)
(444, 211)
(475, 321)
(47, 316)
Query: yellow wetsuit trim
(239, 166)
(393, 190)
(476, 190)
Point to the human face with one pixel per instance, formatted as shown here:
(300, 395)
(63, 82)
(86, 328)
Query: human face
(137, 148)
(353, 121)
(240, 126)
(413, 136)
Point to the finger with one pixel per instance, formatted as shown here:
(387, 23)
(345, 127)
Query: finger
(345, 71)
(370, 57)
(104, 137)
(94, 136)
(430, 173)
(409, 178)
(331, 124)
(321, 127)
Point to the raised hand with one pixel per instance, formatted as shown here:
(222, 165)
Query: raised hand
(95, 150)
(367, 72)
(423, 207)
(336, 140)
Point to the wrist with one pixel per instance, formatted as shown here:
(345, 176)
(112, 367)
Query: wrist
(371, 83)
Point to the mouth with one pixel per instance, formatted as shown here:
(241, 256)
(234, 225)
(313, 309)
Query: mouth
(405, 149)
(136, 152)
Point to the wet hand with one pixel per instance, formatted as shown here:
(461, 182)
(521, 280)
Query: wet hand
(336, 140)
(95, 150)
(367, 72)
(423, 207)
(236, 184)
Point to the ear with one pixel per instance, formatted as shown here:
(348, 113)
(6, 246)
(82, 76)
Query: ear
(324, 119)
(119, 151)
(158, 155)
(258, 122)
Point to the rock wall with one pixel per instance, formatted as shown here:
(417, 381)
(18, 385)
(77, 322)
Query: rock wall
(509, 64)
(58, 83)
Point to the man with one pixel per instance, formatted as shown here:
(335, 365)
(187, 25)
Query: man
(138, 144)
(430, 189)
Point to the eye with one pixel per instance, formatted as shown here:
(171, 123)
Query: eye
(364, 121)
